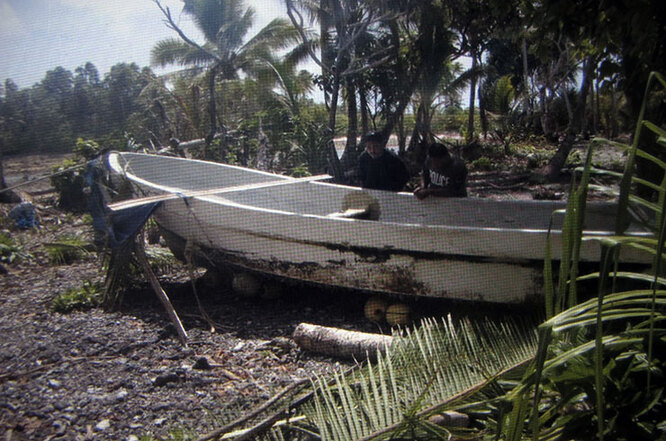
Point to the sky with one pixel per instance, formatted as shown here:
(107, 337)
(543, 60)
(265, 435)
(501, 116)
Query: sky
(39, 35)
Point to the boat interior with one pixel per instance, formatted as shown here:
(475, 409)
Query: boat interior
(319, 198)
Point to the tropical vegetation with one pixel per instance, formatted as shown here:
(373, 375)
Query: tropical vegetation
(550, 69)
(559, 71)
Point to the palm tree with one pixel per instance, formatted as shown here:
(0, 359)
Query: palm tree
(224, 25)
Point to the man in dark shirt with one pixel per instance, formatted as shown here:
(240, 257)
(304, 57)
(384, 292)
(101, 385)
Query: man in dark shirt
(381, 169)
(442, 176)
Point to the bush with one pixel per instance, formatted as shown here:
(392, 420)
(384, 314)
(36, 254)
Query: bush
(86, 296)
(70, 180)
(10, 251)
(483, 163)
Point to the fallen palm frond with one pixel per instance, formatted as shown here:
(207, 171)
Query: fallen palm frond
(438, 367)
(428, 371)
(67, 249)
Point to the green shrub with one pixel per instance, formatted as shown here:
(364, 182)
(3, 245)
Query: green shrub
(70, 180)
(86, 149)
(483, 163)
(299, 172)
(86, 296)
(10, 251)
(450, 120)
(575, 159)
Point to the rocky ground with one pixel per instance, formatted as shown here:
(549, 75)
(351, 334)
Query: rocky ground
(90, 374)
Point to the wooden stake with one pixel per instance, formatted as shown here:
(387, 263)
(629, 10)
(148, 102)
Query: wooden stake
(143, 259)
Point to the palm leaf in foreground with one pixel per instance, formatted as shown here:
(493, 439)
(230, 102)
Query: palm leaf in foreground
(431, 369)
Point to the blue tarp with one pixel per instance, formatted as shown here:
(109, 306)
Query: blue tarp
(119, 226)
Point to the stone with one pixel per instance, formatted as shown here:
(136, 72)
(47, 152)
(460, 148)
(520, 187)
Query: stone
(121, 395)
(167, 378)
(202, 364)
(103, 425)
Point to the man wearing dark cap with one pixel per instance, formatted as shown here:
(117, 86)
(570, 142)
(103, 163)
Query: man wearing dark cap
(443, 175)
(381, 169)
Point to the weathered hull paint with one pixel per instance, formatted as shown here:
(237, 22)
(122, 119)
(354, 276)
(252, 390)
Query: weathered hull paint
(451, 277)
(467, 249)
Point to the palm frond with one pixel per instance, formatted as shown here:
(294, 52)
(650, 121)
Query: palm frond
(174, 51)
(629, 179)
(278, 34)
(301, 52)
(67, 249)
(429, 370)
(210, 16)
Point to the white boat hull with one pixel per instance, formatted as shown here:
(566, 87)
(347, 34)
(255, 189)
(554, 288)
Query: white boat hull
(467, 249)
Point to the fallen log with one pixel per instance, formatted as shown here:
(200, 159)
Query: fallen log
(340, 342)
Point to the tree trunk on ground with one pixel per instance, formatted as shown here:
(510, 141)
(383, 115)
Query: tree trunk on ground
(552, 170)
(340, 342)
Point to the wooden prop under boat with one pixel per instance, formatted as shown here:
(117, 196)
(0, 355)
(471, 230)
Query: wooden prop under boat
(314, 231)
